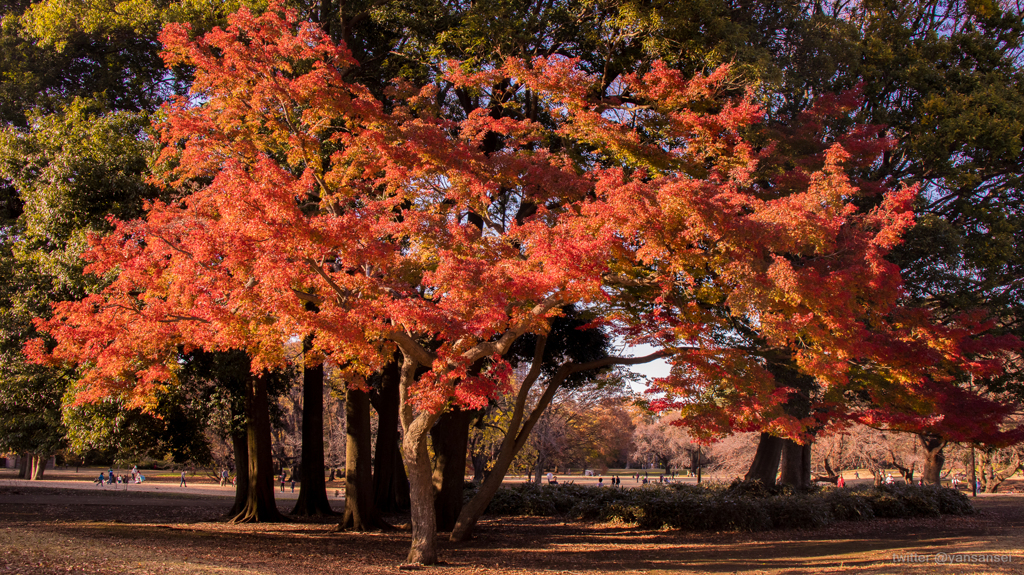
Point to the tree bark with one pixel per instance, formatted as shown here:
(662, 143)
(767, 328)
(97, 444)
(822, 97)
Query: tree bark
(240, 445)
(829, 472)
(906, 472)
(666, 464)
(796, 465)
(450, 440)
(26, 466)
(519, 430)
(360, 512)
(312, 500)
(260, 505)
(765, 466)
(479, 462)
(415, 430)
(934, 459)
(699, 468)
(993, 475)
(38, 466)
(795, 459)
(390, 483)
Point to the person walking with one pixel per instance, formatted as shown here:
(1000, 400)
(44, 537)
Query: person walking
(182, 484)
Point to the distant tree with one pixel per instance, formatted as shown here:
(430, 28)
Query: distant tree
(664, 441)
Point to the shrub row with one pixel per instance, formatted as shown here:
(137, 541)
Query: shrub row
(739, 507)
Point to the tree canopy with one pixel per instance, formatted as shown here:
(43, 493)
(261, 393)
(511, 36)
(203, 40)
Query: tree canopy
(443, 181)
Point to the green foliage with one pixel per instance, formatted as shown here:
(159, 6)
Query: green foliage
(57, 23)
(72, 170)
(720, 508)
(69, 171)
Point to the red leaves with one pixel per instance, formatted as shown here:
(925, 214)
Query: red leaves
(448, 236)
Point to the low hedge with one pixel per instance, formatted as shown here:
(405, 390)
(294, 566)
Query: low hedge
(737, 507)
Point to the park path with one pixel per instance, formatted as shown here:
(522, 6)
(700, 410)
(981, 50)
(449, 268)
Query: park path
(105, 493)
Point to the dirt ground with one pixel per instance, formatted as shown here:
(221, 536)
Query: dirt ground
(50, 530)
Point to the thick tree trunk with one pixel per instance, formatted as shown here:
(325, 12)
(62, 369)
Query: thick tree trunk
(415, 430)
(38, 464)
(360, 513)
(421, 491)
(765, 466)
(934, 459)
(260, 505)
(390, 483)
(450, 440)
(795, 458)
(538, 469)
(664, 463)
(312, 499)
(26, 466)
(796, 465)
(240, 445)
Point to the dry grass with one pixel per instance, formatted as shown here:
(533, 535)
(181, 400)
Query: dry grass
(48, 531)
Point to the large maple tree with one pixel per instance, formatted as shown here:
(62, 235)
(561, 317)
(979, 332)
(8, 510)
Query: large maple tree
(638, 199)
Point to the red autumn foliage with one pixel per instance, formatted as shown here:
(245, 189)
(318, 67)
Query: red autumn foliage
(648, 206)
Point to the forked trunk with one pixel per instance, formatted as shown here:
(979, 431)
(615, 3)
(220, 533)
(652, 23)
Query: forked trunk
(415, 430)
(934, 459)
(360, 513)
(994, 472)
(260, 505)
(450, 440)
(765, 466)
(519, 429)
(312, 499)
(38, 466)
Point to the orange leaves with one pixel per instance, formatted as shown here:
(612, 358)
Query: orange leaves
(446, 234)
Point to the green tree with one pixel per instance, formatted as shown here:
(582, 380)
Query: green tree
(70, 170)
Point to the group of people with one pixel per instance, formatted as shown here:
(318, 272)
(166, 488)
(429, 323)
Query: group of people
(134, 476)
(644, 478)
(110, 478)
